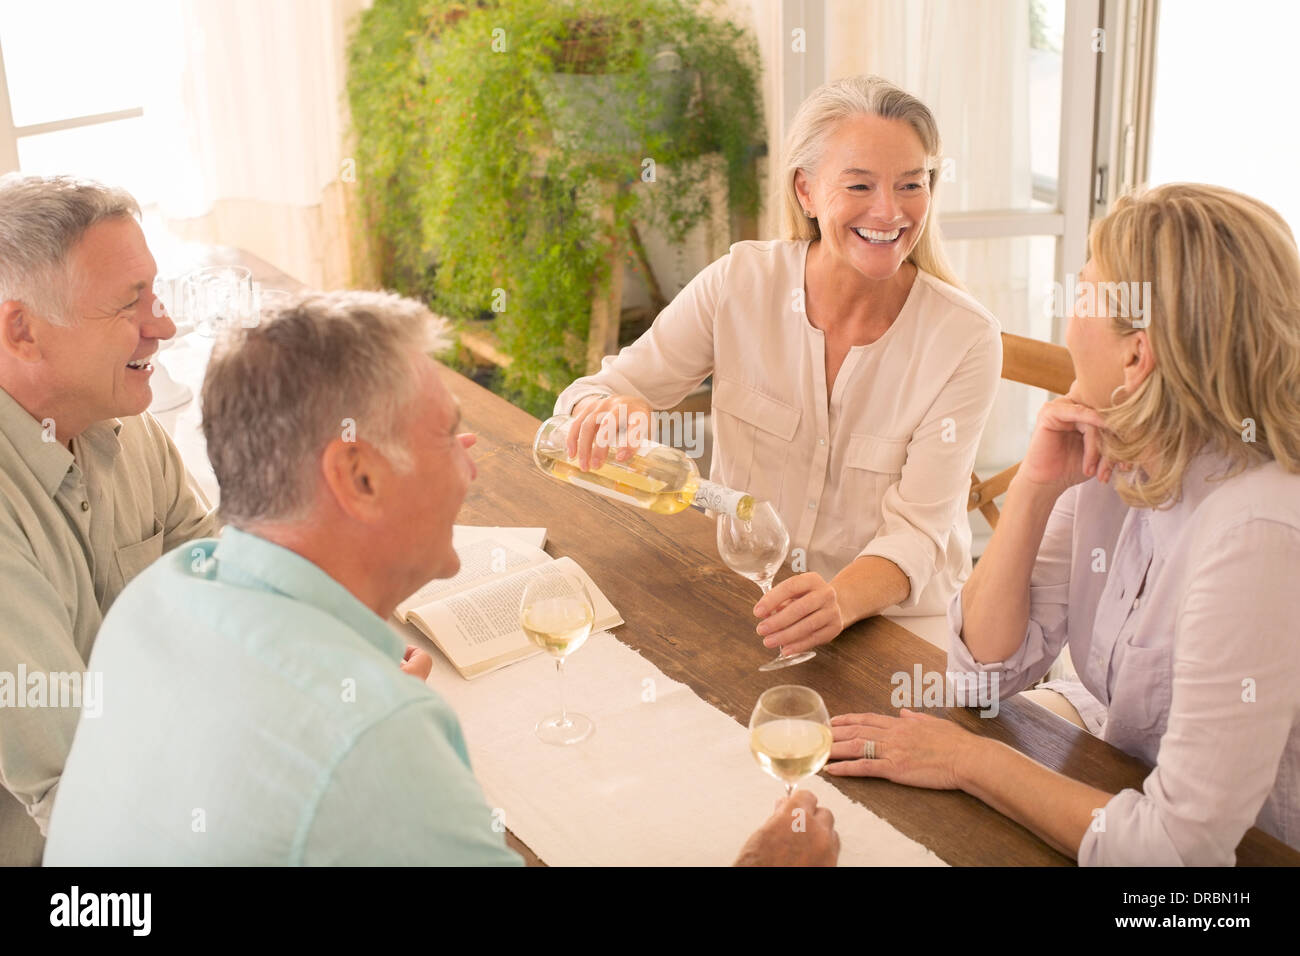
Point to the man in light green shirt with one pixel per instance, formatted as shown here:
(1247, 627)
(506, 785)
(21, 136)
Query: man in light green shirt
(91, 488)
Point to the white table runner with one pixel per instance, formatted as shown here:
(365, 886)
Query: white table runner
(665, 780)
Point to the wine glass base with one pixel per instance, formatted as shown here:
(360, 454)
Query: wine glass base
(776, 665)
(572, 729)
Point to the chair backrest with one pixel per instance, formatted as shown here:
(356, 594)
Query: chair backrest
(1029, 362)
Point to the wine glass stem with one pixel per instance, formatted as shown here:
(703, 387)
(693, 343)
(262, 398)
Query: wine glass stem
(766, 586)
(564, 715)
(789, 790)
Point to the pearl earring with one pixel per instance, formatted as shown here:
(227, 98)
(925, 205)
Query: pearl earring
(809, 214)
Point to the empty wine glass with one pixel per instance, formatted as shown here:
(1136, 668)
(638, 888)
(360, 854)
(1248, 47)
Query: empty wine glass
(218, 296)
(167, 392)
(756, 549)
(790, 733)
(556, 614)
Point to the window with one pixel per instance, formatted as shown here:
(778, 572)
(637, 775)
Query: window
(52, 120)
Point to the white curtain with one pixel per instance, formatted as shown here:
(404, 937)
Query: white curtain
(251, 106)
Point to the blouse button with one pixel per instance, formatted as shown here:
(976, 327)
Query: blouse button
(821, 441)
(85, 506)
(1136, 602)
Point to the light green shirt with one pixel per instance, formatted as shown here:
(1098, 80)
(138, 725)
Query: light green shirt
(75, 527)
(255, 714)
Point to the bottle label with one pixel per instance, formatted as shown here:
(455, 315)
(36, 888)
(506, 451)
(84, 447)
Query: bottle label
(720, 498)
(599, 489)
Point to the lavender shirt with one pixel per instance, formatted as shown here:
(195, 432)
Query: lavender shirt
(1185, 624)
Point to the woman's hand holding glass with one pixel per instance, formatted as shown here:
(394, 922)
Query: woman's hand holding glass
(800, 613)
(756, 548)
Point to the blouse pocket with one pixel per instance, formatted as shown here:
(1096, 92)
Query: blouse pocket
(1139, 700)
(872, 464)
(753, 434)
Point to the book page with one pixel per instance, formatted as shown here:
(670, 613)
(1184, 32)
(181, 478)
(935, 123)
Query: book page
(469, 533)
(481, 557)
(481, 624)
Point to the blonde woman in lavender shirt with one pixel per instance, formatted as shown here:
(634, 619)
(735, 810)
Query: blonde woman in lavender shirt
(1154, 527)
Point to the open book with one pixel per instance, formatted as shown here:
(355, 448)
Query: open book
(473, 617)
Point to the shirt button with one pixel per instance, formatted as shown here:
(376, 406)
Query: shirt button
(821, 441)
(85, 506)
(1136, 602)
(812, 506)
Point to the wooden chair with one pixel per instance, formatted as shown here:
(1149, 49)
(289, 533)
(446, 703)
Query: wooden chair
(1029, 362)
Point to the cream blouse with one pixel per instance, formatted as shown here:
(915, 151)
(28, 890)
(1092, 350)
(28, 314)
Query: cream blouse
(883, 466)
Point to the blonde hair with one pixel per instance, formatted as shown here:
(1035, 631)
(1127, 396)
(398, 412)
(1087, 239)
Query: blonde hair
(1223, 321)
(818, 118)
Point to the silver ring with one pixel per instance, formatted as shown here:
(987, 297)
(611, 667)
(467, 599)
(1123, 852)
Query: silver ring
(868, 750)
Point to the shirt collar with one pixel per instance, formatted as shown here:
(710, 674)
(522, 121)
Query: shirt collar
(247, 560)
(50, 461)
(1203, 475)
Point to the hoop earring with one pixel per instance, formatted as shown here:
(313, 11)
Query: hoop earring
(1117, 388)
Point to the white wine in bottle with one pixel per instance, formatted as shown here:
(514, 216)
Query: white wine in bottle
(791, 749)
(657, 478)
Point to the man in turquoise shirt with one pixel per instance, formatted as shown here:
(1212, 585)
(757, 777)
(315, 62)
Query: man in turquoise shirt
(256, 707)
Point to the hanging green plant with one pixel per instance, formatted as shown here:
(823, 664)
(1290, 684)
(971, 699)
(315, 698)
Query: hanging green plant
(504, 148)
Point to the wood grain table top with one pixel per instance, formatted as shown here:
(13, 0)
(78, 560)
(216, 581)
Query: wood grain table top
(691, 616)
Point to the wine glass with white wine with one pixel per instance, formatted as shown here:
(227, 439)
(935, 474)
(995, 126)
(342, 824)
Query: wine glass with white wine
(790, 733)
(556, 614)
(756, 548)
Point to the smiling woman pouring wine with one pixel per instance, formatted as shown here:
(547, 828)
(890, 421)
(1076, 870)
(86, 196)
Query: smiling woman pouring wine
(851, 377)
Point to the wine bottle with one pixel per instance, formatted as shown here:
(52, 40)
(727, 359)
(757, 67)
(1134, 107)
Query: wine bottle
(657, 478)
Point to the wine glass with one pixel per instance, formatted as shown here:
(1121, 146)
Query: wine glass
(755, 549)
(218, 296)
(167, 392)
(556, 614)
(790, 733)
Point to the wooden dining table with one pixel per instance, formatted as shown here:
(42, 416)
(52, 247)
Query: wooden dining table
(692, 617)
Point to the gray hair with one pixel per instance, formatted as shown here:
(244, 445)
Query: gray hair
(41, 219)
(318, 367)
(817, 119)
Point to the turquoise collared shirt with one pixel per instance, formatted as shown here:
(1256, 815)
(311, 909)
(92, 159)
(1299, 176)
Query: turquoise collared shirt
(254, 713)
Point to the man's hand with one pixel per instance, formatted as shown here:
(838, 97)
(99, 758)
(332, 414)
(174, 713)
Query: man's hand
(799, 833)
(417, 663)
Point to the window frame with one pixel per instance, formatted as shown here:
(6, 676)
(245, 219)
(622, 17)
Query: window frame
(11, 134)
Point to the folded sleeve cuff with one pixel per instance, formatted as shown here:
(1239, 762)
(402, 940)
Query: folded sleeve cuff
(912, 558)
(1014, 674)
